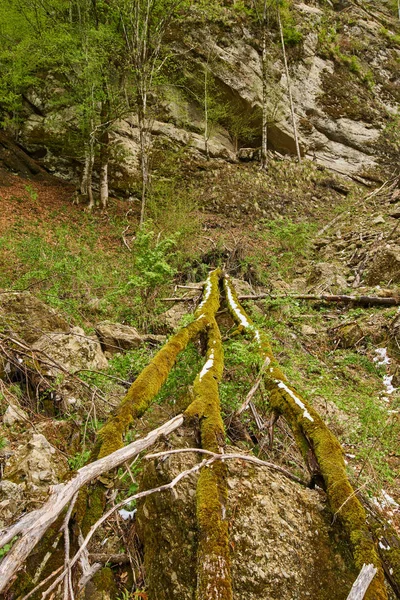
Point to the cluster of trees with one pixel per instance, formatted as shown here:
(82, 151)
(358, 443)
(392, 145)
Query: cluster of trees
(100, 57)
(104, 59)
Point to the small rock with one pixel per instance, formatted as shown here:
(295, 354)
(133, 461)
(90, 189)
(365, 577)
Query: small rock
(347, 336)
(307, 330)
(378, 220)
(72, 351)
(14, 414)
(173, 315)
(115, 337)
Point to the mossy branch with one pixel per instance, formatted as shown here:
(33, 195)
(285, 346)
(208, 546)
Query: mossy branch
(316, 442)
(213, 557)
(149, 382)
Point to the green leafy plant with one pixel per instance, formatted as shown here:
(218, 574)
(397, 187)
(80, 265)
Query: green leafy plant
(78, 460)
(153, 258)
(7, 547)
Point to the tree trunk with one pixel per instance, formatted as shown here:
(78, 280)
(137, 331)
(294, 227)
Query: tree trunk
(144, 152)
(296, 137)
(85, 172)
(104, 176)
(321, 450)
(206, 128)
(264, 134)
(104, 154)
(89, 178)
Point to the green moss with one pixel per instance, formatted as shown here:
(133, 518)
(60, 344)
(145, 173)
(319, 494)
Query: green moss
(213, 551)
(320, 449)
(213, 554)
(95, 504)
(104, 583)
(150, 380)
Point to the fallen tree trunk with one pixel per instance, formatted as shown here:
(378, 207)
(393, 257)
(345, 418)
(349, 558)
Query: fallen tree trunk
(361, 300)
(321, 450)
(213, 557)
(90, 506)
(150, 380)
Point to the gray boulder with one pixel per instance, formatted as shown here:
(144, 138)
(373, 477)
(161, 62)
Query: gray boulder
(385, 266)
(71, 351)
(28, 317)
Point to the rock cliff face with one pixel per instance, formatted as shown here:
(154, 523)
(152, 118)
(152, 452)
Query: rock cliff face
(345, 80)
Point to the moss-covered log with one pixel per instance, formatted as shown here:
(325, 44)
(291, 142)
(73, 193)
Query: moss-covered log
(213, 561)
(321, 450)
(150, 380)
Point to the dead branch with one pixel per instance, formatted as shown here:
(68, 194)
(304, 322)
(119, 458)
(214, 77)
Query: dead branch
(331, 223)
(33, 525)
(252, 459)
(95, 526)
(361, 584)
(255, 387)
(361, 300)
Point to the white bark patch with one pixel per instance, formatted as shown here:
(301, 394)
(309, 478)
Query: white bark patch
(207, 293)
(207, 366)
(299, 403)
(241, 317)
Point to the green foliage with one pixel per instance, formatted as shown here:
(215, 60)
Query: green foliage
(72, 265)
(242, 362)
(393, 38)
(153, 261)
(291, 240)
(78, 460)
(7, 547)
(128, 365)
(172, 208)
(181, 376)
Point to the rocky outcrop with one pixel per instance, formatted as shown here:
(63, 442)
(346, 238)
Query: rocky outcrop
(326, 276)
(29, 318)
(116, 337)
(343, 91)
(282, 544)
(30, 469)
(384, 267)
(71, 351)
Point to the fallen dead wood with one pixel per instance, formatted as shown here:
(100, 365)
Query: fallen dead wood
(255, 387)
(214, 580)
(362, 583)
(150, 380)
(32, 526)
(361, 300)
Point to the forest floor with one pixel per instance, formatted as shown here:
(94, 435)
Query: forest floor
(264, 229)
